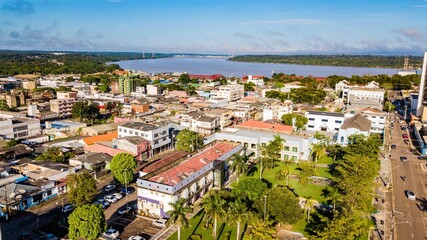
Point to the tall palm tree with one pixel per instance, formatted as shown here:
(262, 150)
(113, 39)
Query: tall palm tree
(239, 165)
(318, 151)
(214, 207)
(238, 213)
(309, 204)
(271, 153)
(178, 214)
(285, 172)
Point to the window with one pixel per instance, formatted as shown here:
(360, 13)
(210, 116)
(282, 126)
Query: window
(310, 119)
(294, 149)
(381, 117)
(294, 158)
(374, 117)
(164, 132)
(338, 121)
(324, 120)
(156, 141)
(253, 145)
(130, 132)
(310, 126)
(125, 131)
(156, 135)
(323, 129)
(286, 148)
(286, 157)
(342, 139)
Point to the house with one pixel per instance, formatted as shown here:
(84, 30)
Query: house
(324, 121)
(13, 153)
(257, 80)
(92, 161)
(153, 90)
(140, 105)
(137, 145)
(100, 138)
(377, 117)
(191, 179)
(104, 147)
(99, 129)
(161, 135)
(200, 123)
(357, 124)
(225, 116)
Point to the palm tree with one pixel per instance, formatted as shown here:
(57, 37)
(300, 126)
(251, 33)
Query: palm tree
(271, 153)
(214, 207)
(308, 206)
(119, 108)
(318, 151)
(109, 106)
(239, 214)
(261, 229)
(285, 172)
(178, 214)
(239, 165)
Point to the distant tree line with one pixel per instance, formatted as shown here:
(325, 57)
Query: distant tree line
(333, 60)
(43, 63)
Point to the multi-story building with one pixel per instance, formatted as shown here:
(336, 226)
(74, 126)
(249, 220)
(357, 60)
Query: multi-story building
(126, 85)
(324, 121)
(65, 95)
(19, 128)
(276, 111)
(229, 92)
(160, 135)
(136, 145)
(62, 106)
(377, 117)
(153, 90)
(191, 179)
(357, 124)
(52, 83)
(422, 96)
(225, 116)
(200, 123)
(30, 85)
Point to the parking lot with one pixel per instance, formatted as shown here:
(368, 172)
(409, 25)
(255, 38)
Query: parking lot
(130, 225)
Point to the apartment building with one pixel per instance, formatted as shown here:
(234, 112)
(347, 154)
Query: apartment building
(377, 117)
(126, 85)
(200, 123)
(62, 106)
(324, 121)
(229, 92)
(160, 135)
(276, 111)
(191, 179)
(19, 128)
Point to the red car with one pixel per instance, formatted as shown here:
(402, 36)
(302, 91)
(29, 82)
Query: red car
(405, 136)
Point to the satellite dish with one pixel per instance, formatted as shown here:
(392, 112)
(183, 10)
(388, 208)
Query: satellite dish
(22, 191)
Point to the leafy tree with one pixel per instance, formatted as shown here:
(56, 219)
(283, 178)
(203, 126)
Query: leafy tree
(345, 226)
(306, 170)
(282, 205)
(249, 86)
(285, 172)
(12, 142)
(389, 107)
(110, 106)
(85, 111)
(300, 120)
(250, 188)
(184, 78)
(4, 106)
(214, 207)
(122, 165)
(271, 153)
(239, 214)
(259, 229)
(87, 221)
(360, 144)
(53, 154)
(188, 141)
(63, 89)
(239, 165)
(178, 214)
(81, 188)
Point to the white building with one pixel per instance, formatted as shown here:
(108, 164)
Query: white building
(277, 111)
(200, 123)
(190, 179)
(422, 98)
(160, 135)
(62, 106)
(52, 83)
(18, 128)
(377, 117)
(357, 124)
(153, 90)
(324, 121)
(257, 80)
(229, 92)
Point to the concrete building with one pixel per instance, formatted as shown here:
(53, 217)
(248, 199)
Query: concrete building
(52, 83)
(62, 106)
(30, 85)
(126, 85)
(225, 116)
(276, 111)
(357, 124)
(377, 117)
(137, 145)
(422, 96)
(93, 161)
(19, 128)
(160, 135)
(200, 123)
(229, 92)
(140, 105)
(191, 179)
(153, 90)
(324, 121)
(257, 80)
(66, 95)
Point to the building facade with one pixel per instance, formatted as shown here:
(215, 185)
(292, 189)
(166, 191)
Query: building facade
(422, 96)
(229, 92)
(19, 128)
(126, 85)
(324, 121)
(62, 106)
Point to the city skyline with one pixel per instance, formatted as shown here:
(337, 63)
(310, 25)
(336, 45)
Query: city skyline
(227, 27)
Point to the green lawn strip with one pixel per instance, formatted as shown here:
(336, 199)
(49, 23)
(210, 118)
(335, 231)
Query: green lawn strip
(312, 191)
(300, 225)
(326, 160)
(323, 172)
(196, 227)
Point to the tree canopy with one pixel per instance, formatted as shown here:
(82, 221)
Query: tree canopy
(87, 221)
(300, 120)
(250, 188)
(81, 188)
(178, 214)
(122, 165)
(188, 141)
(54, 154)
(85, 111)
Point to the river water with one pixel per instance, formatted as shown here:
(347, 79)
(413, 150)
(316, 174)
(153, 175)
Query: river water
(208, 65)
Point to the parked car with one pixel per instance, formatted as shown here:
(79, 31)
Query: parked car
(104, 204)
(393, 146)
(422, 157)
(68, 208)
(136, 238)
(160, 223)
(118, 195)
(410, 195)
(129, 190)
(25, 236)
(111, 233)
(48, 236)
(111, 198)
(403, 158)
(125, 210)
(405, 136)
(110, 187)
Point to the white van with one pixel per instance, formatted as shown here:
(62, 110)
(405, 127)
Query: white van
(160, 223)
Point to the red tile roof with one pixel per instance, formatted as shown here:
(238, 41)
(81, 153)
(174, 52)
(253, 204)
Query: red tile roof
(178, 173)
(163, 162)
(104, 149)
(101, 138)
(207, 77)
(258, 125)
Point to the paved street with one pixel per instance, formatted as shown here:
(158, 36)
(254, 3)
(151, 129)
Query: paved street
(409, 221)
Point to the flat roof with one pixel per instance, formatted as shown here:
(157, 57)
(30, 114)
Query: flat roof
(331, 114)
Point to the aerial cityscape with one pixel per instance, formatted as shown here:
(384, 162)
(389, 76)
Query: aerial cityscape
(213, 120)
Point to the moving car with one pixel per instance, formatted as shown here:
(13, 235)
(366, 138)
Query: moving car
(410, 195)
(403, 158)
(129, 190)
(111, 198)
(111, 233)
(160, 223)
(110, 187)
(68, 208)
(125, 210)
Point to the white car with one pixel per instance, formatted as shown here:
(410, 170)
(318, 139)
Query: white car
(111, 233)
(110, 187)
(160, 223)
(136, 238)
(68, 208)
(411, 195)
(111, 198)
(118, 195)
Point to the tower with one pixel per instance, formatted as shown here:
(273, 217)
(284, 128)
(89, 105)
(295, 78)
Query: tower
(422, 96)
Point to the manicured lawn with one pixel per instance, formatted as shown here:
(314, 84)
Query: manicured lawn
(326, 160)
(300, 225)
(323, 172)
(196, 227)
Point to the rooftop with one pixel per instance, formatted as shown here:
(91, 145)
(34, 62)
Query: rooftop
(258, 125)
(140, 126)
(134, 139)
(156, 165)
(330, 114)
(359, 122)
(100, 148)
(100, 138)
(188, 167)
(93, 158)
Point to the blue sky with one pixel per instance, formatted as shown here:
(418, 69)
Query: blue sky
(216, 26)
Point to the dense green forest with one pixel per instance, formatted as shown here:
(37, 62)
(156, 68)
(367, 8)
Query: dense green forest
(333, 60)
(43, 63)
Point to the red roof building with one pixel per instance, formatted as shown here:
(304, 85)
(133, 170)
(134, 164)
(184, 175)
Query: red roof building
(258, 125)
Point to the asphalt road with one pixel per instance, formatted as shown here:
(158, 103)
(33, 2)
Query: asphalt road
(409, 221)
